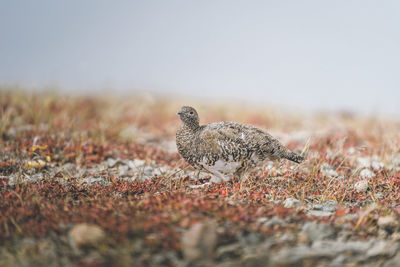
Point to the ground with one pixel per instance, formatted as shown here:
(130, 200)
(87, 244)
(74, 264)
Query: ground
(96, 181)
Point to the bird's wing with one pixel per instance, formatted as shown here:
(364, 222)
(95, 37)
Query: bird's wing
(230, 141)
(240, 141)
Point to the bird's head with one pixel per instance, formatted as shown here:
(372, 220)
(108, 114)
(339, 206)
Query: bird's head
(189, 116)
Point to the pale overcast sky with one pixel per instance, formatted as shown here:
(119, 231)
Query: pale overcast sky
(307, 54)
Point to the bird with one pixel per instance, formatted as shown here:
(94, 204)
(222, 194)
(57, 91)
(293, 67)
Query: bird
(226, 149)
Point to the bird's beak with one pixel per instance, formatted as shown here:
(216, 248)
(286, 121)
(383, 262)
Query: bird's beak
(179, 112)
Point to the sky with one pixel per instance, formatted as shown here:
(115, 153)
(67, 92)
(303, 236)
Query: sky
(312, 55)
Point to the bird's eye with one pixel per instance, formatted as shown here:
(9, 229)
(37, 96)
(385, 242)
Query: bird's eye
(191, 113)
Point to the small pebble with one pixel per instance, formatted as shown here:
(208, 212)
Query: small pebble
(84, 234)
(367, 173)
(291, 203)
(361, 186)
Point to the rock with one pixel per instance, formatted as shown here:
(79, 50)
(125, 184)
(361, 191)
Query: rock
(351, 150)
(162, 170)
(330, 206)
(328, 171)
(296, 255)
(228, 251)
(291, 203)
(361, 186)
(261, 220)
(273, 221)
(228, 263)
(395, 163)
(346, 218)
(363, 162)
(383, 248)
(367, 173)
(123, 170)
(395, 236)
(387, 222)
(148, 171)
(69, 168)
(323, 209)
(393, 262)
(251, 238)
(110, 162)
(136, 164)
(250, 260)
(198, 243)
(143, 178)
(94, 180)
(317, 231)
(377, 165)
(83, 235)
(367, 162)
(319, 213)
(359, 247)
(196, 186)
(13, 179)
(287, 237)
(34, 178)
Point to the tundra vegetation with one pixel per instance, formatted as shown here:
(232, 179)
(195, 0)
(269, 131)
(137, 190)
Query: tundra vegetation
(97, 181)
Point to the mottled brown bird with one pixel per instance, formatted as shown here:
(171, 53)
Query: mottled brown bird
(226, 149)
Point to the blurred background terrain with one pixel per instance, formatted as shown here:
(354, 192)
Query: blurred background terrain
(310, 55)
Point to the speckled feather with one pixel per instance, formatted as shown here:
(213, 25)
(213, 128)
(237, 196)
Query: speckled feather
(226, 147)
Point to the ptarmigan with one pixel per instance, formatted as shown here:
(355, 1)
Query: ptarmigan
(226, 149)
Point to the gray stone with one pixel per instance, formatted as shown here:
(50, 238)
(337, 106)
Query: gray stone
(198, 243)
(129, 179)
(113, 162)
(295, 256)
(251, 238)
(291, 203)
(383, 248)
(330, 206)
(143, 178)
(361, 186)
(343, 247)
(13, 179)
(69, 168)
(123, 170)
(328, 171)
(229, 251)
(33, 178)
(367, 173)
(319, 213)
(148, 171)
(255, 260)
(377, 165)
(393, 262)
(136, 164)
(94, 180)
(317, 231)
(274, 221)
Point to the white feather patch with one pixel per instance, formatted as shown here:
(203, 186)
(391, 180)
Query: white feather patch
(222, 166)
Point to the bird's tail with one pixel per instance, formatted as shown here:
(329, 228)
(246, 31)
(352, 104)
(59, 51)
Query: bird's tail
(294, 157)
